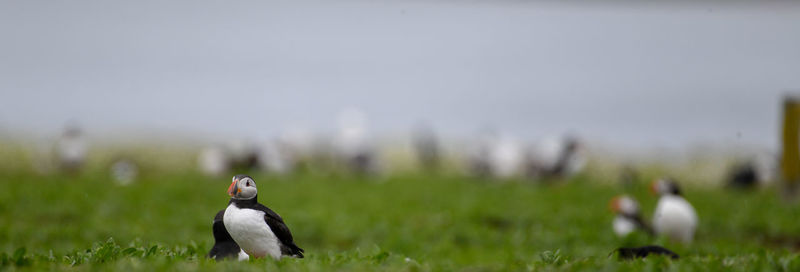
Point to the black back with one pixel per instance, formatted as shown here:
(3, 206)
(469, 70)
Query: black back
(275, 223)
(743, 176)
(628, 253)
(224, 246)
(637, 218)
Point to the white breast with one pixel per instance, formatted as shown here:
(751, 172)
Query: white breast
(623, 226)
(251, 232)
(675, 218)
(243, 256)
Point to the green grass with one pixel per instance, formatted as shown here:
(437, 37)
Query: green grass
(403, 222)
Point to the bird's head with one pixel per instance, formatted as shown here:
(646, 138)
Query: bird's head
(665, 186)
(242, 187)
(624, 204)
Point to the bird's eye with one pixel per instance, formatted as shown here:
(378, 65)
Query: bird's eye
(247, 184)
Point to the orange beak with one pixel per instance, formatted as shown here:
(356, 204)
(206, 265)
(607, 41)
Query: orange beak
(614, 204)
(232, 189)
(654, 187)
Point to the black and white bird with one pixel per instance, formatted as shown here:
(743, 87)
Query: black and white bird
(628, 216)
(674, 216)
(757, 171)
(224, 245)
(214, 161)
(556, 157)
(72, 149)
(426, 147)
(354, 145)
(258, 230)
(498, 156)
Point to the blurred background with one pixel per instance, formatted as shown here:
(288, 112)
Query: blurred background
(520, 91)
(625, 73)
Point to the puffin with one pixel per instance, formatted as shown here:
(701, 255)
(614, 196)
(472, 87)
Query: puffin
(72, 149)
(258, 230)
(224, 245)
(496, 156)
(628, 216)
(674, 216)
(743, 176)
(354, 145)
(426, 147)
(213, 161)
(555, 158)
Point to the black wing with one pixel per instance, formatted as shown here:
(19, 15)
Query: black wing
(642, 225)
(275, 223)
(224, 246)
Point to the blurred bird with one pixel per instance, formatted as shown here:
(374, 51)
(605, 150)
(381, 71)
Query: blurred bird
(213, 161)
(426, 146)
(628, 216)
(758, 171)
(478, 159)
(555, 158)
(72, 149)
(243, 155)
(298, 142)
(506, 157)
(497, 156)
(743, 176)
(353, 144)
(674, 216)
(224, 245)
(258, 230)
(274, 157)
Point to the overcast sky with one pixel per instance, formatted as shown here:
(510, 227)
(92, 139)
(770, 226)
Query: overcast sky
(626, 73)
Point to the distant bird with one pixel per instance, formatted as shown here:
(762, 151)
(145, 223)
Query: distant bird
(628, 216)
(297, 143)
(243, 155)
(72, 149)
(759, 170)
(628, 253)
(213, 161)
(674, 216)
(743, 176)
(258, 230)
(496, 156)
(506, 157)
(274, 157)
(555, 158)
(426, 146)
(353, 144)
(224, 245)
(478, 157)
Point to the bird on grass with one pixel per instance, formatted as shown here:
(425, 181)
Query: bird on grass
(224, 245)
(72, 149)
(258, 230)
(628, 216)
(674, 216)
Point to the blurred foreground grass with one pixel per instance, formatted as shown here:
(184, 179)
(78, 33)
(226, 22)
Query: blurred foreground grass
(400, 222)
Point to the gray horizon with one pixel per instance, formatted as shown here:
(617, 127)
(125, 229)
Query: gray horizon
(626, 73)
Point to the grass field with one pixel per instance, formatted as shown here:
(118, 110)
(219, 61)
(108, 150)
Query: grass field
(405, 222)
